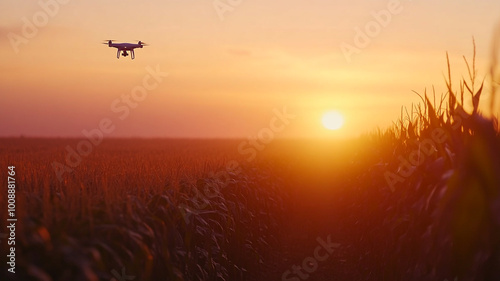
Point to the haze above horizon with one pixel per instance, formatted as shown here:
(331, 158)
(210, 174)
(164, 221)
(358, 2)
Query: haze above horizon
(229, 69)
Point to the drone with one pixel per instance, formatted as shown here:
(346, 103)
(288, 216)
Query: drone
(125, 47)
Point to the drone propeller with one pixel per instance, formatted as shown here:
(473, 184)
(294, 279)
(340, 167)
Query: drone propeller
(142, 43)
(107, 41)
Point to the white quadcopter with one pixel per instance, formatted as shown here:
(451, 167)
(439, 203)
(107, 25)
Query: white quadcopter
(125, 47)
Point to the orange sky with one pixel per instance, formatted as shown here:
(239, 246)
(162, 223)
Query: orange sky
(229, 70)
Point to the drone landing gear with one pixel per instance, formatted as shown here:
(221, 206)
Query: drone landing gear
(125, 54)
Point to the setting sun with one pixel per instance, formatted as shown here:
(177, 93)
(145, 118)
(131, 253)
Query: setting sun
(332, 120)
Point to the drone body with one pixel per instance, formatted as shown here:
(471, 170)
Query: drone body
(124, 48)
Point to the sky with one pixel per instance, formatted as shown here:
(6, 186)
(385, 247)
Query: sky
(229, 68)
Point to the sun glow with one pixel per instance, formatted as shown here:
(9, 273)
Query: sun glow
(332, 120)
